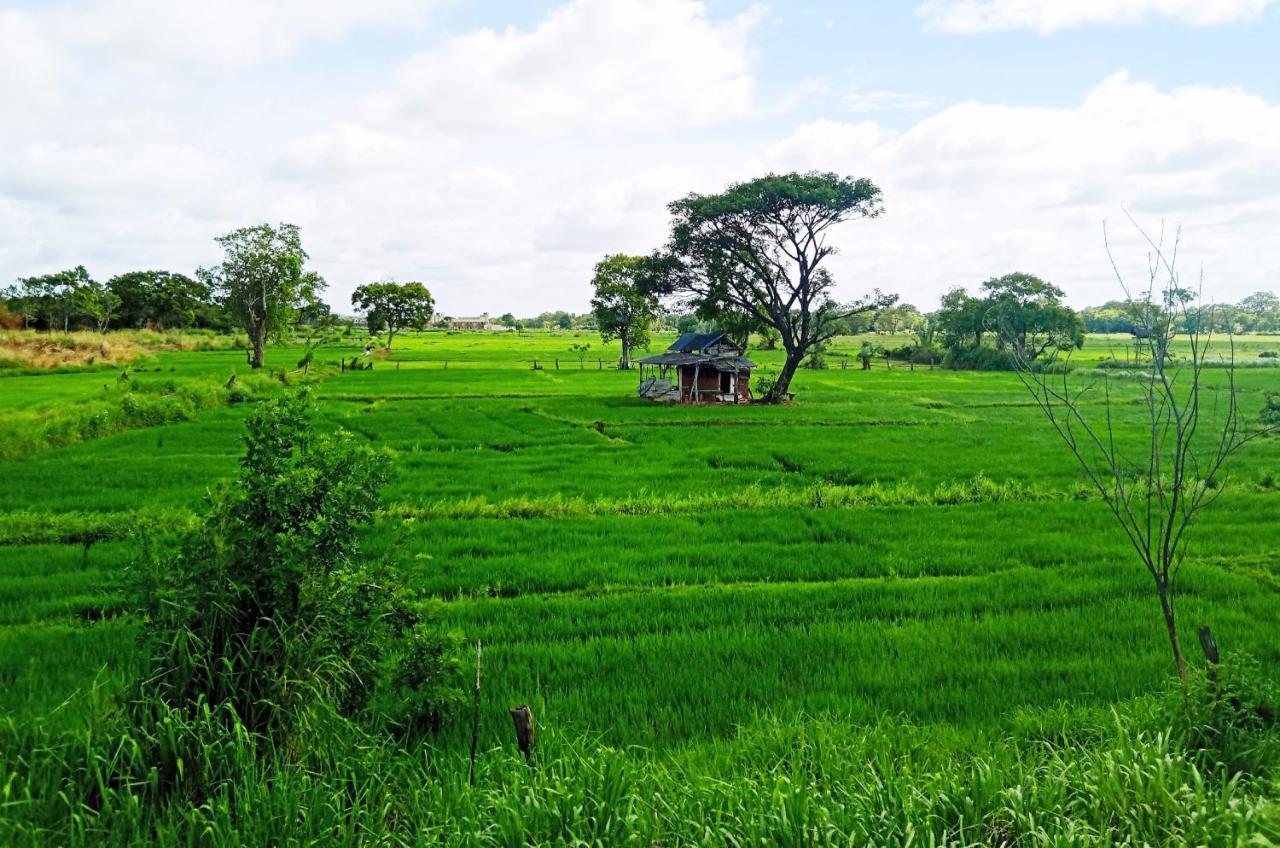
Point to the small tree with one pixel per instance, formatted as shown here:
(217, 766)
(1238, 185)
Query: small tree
(261, 281)
(51, 297)
(758, 247)
(580, 351)
(394, 306)
(622, 308)
(1156, 482)
(97, 303)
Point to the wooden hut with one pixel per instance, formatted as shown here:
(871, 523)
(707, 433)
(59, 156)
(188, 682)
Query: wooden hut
(697, 368)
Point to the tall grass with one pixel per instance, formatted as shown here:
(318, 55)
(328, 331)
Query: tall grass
(32, 349)
(1132, 778)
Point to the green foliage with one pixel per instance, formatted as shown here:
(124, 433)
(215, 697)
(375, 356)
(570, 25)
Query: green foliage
(394, 306)
(711, 610)
(261, 280)
(266, 610)
(1270, 415)
(1021, 313)
(814, 782)
(96, 302)
(753, 253)
(1228, 716)
(49, 298)
(623, 309)
(159, 298)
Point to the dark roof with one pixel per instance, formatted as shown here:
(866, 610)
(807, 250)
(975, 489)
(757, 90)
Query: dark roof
(690, 342)
(719, 363)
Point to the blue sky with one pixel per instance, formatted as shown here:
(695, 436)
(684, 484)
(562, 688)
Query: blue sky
(496, 150)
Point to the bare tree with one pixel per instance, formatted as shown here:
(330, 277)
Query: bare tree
(1157, 480)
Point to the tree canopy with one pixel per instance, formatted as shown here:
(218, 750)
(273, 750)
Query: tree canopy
(394, 306)
(623, 308)
(757, 249)
(261, 280)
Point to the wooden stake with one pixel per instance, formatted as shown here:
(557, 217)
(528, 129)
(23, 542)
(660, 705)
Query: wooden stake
(1209, 645)
(526, 732)
(475, 719)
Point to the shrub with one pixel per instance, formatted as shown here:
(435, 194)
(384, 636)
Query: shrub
(1271, 408)
(265, 611)
(978, 359)
(1228, 717)
(765, 380)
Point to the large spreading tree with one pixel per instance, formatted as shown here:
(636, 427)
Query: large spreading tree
(757, 249)
(394, 306)
(1027, 314)
(261, 281)
(623, 307)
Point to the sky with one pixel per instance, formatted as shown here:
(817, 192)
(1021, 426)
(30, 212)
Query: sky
(497, 150)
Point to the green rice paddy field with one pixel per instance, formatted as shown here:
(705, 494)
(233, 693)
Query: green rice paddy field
(902, 545)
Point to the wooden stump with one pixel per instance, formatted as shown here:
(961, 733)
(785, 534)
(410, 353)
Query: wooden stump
(526, 732)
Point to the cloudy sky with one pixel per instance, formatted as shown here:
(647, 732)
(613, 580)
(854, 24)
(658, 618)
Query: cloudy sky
(496, 150)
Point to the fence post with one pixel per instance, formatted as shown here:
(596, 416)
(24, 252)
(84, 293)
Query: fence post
(599, 364)
(526, 733)
(557, 363)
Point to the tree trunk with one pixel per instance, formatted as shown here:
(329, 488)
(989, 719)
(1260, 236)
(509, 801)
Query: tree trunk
(391, 334)
(1170, 623)
(625, 364)
(259, 338)
(779, 391)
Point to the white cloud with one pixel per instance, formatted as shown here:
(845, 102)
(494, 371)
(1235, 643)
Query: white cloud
(498, 166)
(979, 189)
(886, 101)
(1046, 16)
(598, 64)
(228, 32)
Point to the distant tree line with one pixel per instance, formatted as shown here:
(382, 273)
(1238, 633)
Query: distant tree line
(160, 300)
(1257, 313)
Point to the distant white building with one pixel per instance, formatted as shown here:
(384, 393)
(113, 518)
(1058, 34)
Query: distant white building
(479, 322)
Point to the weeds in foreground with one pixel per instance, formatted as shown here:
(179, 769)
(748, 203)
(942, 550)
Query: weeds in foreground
(1132, 779)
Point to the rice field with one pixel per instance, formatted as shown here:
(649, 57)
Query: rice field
(904, 551)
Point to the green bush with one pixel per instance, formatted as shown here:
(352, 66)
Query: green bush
(1229, 717)
(265, 610)
(1271, 408)
(978, 359)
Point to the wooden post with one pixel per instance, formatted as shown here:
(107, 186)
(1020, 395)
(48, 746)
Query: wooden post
(475, 719)
(557, 363)
(446, 365)
(1210, 646)
(599, 364)
(526, 732)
